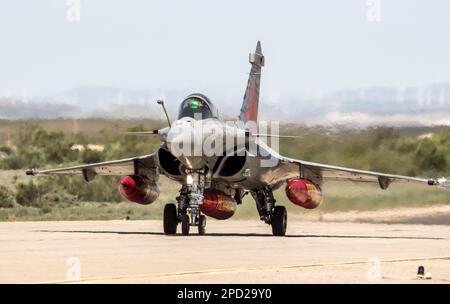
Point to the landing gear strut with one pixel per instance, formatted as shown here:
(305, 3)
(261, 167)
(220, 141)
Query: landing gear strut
(276, 216)
(189, 201)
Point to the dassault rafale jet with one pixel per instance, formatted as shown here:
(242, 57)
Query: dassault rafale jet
(238, 162)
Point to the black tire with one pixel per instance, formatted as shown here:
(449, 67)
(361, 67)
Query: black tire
(170, 219)
(279, 221)
(202, 225)
(185, 224)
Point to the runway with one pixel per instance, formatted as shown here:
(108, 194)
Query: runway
(231, 252)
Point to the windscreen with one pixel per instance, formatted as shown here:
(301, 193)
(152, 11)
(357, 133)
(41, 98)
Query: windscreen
(196, 108)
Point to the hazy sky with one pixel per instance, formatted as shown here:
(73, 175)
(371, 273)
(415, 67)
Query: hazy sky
(310, 46)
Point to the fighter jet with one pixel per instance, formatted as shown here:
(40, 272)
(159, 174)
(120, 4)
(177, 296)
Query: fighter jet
(217, 163)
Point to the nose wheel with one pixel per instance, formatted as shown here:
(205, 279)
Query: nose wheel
(188, 221)
(185, 224)
(202, 225)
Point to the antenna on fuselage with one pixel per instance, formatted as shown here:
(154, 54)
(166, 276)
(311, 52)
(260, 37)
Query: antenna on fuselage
(161, 132)
(161, 102)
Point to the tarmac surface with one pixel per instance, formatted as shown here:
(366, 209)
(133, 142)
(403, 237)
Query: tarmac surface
(232, 252)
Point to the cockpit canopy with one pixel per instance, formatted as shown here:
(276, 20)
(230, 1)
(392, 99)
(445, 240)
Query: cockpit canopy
(197, 106)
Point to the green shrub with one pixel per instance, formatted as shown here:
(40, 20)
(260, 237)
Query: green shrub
(90, 156)
(5, 149)
(28, 195)
(6, 198)
(429, 158)
(45, 209)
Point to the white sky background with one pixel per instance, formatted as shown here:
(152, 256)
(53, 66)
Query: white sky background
(310, 46)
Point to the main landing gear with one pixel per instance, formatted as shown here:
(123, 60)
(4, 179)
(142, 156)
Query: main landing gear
(188, 211)
(276, 216)
(170, 219)
(279, 221)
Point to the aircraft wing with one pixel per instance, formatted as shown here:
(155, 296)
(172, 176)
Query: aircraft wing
(317, 173)
(141, 165)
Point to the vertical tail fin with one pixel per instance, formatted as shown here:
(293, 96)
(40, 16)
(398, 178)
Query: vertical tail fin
(249, 109)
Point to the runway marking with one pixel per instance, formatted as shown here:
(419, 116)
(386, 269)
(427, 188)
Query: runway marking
(233, 270)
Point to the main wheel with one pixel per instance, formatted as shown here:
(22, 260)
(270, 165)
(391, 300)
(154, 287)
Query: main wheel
(170, 219)
(279, 221)
(185, 224)
(202, 225)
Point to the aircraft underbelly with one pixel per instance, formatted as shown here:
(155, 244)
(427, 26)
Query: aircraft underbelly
(254, 175)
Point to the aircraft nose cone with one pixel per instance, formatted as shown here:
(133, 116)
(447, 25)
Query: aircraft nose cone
(185, 142)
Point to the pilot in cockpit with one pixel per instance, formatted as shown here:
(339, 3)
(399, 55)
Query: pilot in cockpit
(197, 106)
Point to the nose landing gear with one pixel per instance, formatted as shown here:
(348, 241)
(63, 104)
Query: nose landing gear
(171, 220)
(189, 201)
